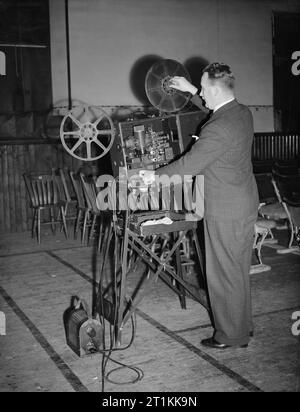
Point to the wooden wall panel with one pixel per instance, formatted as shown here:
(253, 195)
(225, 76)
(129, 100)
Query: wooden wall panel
(41, 156)
(17, 159)
(11, 186)
(4, 183)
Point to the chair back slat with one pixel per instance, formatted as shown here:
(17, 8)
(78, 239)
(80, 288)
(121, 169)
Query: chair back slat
(39, 190)
(77, 184)
(42, 189)
(265, 188)
(31, 191)
(54, 193)
(89, 190)
(59, 186)
(65, 185)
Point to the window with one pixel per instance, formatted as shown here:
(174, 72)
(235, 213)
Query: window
(25, 76)
(286, 77)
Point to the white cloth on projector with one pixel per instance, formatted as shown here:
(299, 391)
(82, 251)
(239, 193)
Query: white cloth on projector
(164, 221)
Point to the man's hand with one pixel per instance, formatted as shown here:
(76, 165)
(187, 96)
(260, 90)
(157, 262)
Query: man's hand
(148, 176)
(182, 84)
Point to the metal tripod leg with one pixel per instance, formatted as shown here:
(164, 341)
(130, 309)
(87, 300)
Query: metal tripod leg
(199, 253)
(121, 298)
(179, 272)
(161, 269)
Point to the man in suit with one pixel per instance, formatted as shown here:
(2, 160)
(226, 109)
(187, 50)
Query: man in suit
(223, 155)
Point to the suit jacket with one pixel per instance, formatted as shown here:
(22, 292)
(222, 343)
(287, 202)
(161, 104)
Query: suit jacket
(223, 155)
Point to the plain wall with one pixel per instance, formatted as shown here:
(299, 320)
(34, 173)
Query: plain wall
(112, 41)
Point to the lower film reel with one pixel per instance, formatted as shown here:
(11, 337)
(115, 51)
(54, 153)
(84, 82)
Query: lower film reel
(157, 86)
(87, 133)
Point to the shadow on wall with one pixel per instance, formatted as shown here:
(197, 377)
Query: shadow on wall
(194, 66)
(138, 76)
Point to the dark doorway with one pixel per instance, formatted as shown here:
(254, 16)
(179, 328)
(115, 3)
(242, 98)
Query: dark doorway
(25, 43)
(286, 71)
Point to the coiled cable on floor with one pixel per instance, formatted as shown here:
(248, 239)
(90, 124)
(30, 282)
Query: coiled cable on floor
(107, 352)
(106, 356)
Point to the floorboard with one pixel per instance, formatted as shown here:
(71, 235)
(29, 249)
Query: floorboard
(36, 285)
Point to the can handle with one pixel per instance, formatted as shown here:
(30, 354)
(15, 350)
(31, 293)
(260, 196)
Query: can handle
(83, 303)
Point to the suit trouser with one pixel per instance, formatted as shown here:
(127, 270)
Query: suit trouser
(228, 249)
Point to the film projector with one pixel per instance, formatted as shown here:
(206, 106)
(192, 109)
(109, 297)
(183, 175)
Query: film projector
(88, 133)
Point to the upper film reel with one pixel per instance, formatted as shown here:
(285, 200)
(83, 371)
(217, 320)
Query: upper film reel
(158, 90)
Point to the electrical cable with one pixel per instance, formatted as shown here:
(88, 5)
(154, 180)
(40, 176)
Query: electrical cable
(107, 352)
(107, 357)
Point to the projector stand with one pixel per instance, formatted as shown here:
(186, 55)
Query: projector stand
(157, 245)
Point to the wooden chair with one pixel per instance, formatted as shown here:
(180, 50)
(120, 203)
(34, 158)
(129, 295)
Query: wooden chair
(270, 206)
(288, 191)
(90, 193)
(64, 189)
(44, 197)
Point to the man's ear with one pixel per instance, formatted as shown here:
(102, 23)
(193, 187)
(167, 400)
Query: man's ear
(216, 90)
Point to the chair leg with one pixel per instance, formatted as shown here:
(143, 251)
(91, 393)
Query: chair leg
(92, 228)
(33, 225)
(100, 234)
(291, 224)
(77, 223)
(259, 245)
(270, 239)
(65, 211)
(39, 225)
(258, 254)
(52, 220)
(63, 216)
(291, 235)
(86, 213)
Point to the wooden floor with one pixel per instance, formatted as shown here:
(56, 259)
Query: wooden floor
(36, 284)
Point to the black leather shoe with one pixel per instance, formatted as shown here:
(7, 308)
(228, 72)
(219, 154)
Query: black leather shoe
(212, 343)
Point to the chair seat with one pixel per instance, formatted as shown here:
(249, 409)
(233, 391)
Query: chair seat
(260, 230)
(50, 205)
(265, 223)
(259, 268)
(273, 211)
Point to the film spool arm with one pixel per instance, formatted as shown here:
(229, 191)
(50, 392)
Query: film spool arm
(182, 84)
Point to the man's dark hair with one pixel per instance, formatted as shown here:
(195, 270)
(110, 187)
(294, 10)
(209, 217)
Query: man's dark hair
(220, 72)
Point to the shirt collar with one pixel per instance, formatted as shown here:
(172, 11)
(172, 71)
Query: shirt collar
(223, 104)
